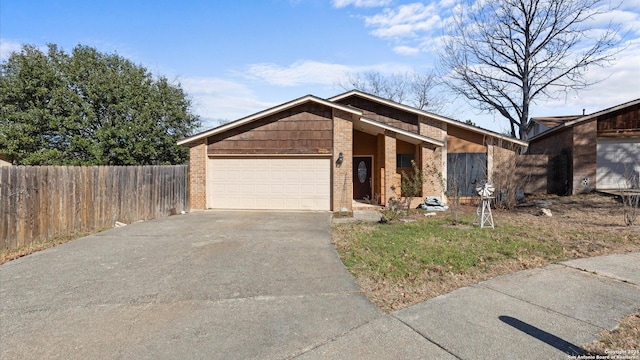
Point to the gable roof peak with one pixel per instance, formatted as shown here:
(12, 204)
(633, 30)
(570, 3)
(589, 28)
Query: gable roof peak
(287, 105)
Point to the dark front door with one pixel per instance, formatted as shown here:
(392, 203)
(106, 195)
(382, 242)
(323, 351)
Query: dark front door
(362, 177)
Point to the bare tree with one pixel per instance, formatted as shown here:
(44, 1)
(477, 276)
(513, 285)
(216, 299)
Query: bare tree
(409, 88)
(502, 55)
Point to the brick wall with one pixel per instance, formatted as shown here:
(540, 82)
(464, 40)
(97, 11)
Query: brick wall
(389, 166)
(342, 174)
(379, 183)
(504, 170)
(433, 178)
(198, 176)
(432, 128)
(559, 148)
(532, 169)
(584, 157)
(433, 158)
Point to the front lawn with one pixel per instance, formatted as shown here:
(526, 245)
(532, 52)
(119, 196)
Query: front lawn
(400, 264)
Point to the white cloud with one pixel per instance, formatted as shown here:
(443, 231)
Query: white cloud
(406, 50)
(221, 99)
(359, 3)
(212, 86)
(300, 72)
(312, 72)
(7, 47)
(404, 21)
(447, 3)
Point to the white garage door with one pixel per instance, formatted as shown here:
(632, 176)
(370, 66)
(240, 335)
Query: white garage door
(616, 160)
(280, 183)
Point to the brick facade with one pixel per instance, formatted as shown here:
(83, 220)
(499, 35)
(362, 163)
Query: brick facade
(432, 128)
(585, 140)
(559, 148)
(381, 142)
(501, 168)
(342, 189)
(433, 158)
(198, 175)
(390, 186)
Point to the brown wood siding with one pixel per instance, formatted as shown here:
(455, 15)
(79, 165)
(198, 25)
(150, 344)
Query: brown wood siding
(382, 113)
(460, 140)
(364, 144)
(304, 129)
(403, 147)
(621, 123)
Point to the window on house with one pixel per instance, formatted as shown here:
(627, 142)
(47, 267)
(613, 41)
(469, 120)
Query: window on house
(404, 160)
(464, 171)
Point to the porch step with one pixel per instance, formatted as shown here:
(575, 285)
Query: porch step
(356, 205)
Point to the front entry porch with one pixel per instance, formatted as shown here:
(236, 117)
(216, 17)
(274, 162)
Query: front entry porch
(381, 153)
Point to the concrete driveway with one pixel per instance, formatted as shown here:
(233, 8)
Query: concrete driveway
(225, 285)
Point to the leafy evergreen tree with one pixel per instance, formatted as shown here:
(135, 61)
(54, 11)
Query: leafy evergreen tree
(89, 108)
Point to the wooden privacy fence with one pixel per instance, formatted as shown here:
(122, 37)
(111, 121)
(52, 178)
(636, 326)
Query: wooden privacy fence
(43, 202)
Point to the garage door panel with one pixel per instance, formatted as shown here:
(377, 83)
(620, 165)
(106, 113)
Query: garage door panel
(286, 184)
(617, 159)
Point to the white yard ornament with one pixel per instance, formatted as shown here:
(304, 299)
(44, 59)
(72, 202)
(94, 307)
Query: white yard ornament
(483, 214)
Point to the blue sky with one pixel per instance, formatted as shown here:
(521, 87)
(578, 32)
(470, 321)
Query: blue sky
(235, 58)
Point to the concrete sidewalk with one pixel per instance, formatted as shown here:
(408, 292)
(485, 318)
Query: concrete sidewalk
(545, 313)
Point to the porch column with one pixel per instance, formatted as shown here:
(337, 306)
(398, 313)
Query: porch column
(431, 158)
(490, 151)
(436, 156)
(390, 188)
(198, 175)
(342, 193)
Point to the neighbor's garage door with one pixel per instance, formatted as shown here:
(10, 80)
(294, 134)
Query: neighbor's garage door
(280, 183)
(617, 158)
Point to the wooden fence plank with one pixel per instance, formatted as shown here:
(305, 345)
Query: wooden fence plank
(42, 214)
(40, 203)
(12, 224)
(33, 206)
(4, 206)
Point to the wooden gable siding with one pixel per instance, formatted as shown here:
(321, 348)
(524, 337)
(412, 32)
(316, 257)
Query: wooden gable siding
(624, 122)
(304, 129)
(382, 113)
(460, 140)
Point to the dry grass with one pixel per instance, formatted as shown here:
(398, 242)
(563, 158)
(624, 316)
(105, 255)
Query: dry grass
(581, 226)
(12, 254)
(624, 340)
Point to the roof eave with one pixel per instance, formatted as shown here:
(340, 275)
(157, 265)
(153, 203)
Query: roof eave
(585, 118)
(426, 113)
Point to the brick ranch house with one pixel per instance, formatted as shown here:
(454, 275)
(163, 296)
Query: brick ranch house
(589, 152)
(322, 154)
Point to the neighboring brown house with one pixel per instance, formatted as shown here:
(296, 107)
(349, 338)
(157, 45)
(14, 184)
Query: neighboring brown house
(321, 154)
(538, 125)
(598, 151)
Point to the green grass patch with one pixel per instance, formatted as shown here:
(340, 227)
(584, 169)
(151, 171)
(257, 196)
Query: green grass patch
(408, 251)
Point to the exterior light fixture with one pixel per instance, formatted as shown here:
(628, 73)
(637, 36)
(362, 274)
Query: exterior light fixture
(340, 159)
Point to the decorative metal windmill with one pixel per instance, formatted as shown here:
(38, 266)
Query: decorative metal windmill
(483, 214)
